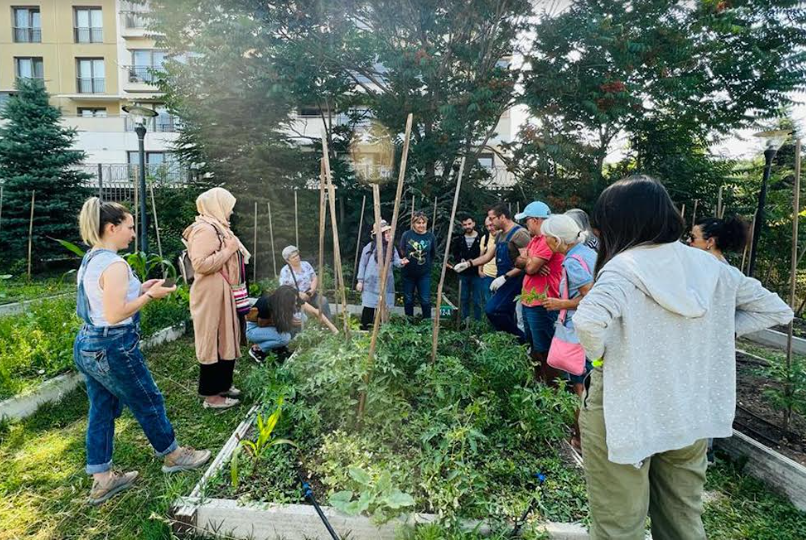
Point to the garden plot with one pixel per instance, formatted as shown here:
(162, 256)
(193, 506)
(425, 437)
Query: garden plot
(457, 441)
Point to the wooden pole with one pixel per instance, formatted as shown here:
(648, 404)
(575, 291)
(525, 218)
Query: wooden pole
(322, 211)
(296, 219)
(254, 248)
(358, 239)
(719, 203)
(157, 227)
(694, 212)
(1, 207)
(435, 336)
(434, 219)
(31, 232)
(376, 206)
(749, 240)
(335, 230)
(683, 211)
(387, 257)
(792, 281)
(412, 210)
(271, 239)
(517, 207)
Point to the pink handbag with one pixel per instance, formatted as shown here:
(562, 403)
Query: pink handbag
(566, 353)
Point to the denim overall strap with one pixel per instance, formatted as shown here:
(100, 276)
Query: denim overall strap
(502, 259)
(82, 304)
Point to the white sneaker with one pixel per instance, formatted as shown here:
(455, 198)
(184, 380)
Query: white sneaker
(226, 404)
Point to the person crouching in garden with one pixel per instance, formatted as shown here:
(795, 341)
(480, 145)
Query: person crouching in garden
(369, 274)
(107, 351)
(301, 275)
(273, 319)
(419, 246)
(660, 321)
(564, 236)
(218, 260)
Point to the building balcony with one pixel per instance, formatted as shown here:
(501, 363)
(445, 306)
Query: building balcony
(133, 24)
(27, 35)
(158, 124)
(142, 74)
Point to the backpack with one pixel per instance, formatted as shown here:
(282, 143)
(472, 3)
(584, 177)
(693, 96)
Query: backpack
(184, 263)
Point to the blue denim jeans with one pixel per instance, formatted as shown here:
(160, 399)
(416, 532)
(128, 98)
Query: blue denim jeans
(471, 294)
(484, 283)
(117, 376)
(538, 325)
(423, 286)
(266, 337)
(500, 309)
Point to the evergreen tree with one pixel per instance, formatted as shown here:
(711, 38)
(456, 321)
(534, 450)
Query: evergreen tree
(36, 154)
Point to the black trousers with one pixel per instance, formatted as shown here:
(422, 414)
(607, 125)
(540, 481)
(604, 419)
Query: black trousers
(367, 318)
(215, 379)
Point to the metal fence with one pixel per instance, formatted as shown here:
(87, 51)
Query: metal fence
(117, 181)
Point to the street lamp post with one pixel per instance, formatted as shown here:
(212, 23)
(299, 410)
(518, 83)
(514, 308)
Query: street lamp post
(139, 116)
(773, 141)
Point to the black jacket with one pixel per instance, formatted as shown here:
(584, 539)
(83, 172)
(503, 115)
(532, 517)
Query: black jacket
(460, 252)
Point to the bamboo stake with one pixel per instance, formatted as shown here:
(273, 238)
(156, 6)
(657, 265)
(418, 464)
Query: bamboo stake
(749, 240)
(694, 212)
(683, 211)
(296, 219)
(1, 207)
(358, 240)
(387, 257)
(271, 238)
(517, 207)
(376, 205)
(335, 230)
(792, 281)
(31, 232)
(157, 228)
(434, 220)
(254, 248)
(412, 210)
(719, 203)
(322, 236)
(445, 261)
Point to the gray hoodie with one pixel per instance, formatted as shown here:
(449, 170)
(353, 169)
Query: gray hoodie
(664, 319)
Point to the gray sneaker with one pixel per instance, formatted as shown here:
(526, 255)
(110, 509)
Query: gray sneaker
(103, 491)
(185, 460)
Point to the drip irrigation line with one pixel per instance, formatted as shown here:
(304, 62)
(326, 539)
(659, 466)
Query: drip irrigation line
(308, 494)
(540, 477)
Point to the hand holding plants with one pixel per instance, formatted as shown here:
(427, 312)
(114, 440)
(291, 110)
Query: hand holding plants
(555, 304)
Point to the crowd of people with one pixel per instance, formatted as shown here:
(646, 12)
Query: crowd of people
(638, 324)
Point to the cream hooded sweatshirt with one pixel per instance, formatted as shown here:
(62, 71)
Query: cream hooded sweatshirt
(664, 319)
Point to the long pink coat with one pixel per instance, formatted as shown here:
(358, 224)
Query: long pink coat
(212, 307)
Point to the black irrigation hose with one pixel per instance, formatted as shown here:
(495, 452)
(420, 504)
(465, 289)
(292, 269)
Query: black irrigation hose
(532, 505)
(308, 493)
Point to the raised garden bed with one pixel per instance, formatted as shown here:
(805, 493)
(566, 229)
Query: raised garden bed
(755, 415)
(457, 440)
(37, 345)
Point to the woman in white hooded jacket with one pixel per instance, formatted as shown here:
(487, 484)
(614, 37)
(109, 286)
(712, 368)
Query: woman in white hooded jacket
(661, 320)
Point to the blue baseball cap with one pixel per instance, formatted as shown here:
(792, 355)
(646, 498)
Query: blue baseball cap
(535, 209)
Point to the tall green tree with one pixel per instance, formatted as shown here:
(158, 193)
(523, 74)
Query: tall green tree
(602, 70)
(36, 154)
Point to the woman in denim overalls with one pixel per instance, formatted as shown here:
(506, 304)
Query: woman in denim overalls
(107, 351)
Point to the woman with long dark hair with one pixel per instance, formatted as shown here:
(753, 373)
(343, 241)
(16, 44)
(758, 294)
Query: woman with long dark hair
(271, 322)
(660, 320)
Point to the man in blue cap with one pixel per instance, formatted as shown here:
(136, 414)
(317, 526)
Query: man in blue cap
(510, 241)
(543, 270)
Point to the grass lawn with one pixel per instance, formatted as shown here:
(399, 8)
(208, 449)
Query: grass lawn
(43, 487)
(18, 290)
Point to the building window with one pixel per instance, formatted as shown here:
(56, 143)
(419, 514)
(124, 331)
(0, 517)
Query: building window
(91, 78)
(92, 112)
(164, 122)
(29, 68)
(27, 25)
(487, 160)
(89, 25)
(145, 63)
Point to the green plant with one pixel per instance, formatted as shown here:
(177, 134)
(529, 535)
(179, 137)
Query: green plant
(145, 265)
(378, 498)
(788, 393)
(265, 429)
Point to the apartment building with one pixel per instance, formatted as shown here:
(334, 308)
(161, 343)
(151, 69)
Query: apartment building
(94, 57)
